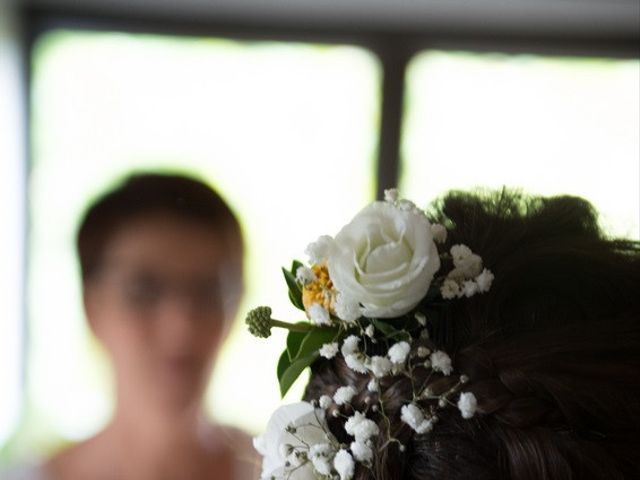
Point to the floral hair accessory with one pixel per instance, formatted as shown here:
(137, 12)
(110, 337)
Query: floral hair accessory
(369, 295)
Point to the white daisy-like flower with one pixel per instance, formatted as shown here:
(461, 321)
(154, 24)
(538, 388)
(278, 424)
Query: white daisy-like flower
(391, 195)
(441, 362)
(450, 289)
(344, 395)
(361, 452)
(305, 275)
(344, 464)
(373, 385)
(318, 251)
(325, 402)
(350, 345)
(320, 455)
(439, 233)
(484, 280)
(467, 404)
(347, 308)
(379, 366)
(356, 362)
(398, 352)
(319, 315)
(469, 288)
(329, 350)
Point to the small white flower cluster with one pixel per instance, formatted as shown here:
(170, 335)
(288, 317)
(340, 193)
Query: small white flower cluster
(392, 196)
(422, 420)
(380, 366)
(467, 277)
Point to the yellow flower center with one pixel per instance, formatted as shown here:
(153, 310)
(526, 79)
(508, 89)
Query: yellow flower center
(320, 291)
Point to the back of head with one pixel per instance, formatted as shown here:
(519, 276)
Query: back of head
(552, 351)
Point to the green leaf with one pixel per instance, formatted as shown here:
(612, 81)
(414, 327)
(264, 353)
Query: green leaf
(295, 294)
(294, 266)
(294, 340)
(288, 375)
(314, 340)
(389, 331)
(283, 363)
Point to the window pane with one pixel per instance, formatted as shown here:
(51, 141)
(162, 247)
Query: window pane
(286, 132)
(11, 225)
(548, 125)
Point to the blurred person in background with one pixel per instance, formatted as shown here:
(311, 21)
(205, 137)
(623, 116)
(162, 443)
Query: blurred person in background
(161, 260)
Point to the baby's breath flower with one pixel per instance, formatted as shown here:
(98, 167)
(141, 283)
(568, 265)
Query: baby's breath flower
(305, 275)
(355, 361)
(329, 350)
(344, 465)
(344, 395)
(361, 427)
(439, 233)
(467, 404)
(459, 253)
(320, 454)
(398, 352)
(370, 331)
(318, 251)
(325, 401)
(347, 309)
(484, 280)
(373, 385)
(319, 315)
(470, 267)
(450, 289)
(350, 345)
(469, 288)
(441, 362)
(391, 195)
(413, 416)
(379, 366)
(361, 452)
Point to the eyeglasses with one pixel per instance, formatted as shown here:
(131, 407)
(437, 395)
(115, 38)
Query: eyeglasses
(146, 290)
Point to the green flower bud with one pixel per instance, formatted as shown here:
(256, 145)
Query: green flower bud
(259, 322)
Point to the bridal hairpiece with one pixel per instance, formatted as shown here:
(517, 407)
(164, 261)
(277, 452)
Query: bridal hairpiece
(369, 295)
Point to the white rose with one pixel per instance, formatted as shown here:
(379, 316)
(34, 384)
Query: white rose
(274, 442)
(385, 258)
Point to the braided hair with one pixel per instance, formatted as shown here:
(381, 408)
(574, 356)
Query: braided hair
(552, 351)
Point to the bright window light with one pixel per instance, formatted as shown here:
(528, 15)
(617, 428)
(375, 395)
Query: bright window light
(12, 159)
(285, 131)
(547, 125)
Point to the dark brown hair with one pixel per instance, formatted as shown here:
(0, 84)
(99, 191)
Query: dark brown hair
(552, 351)
(145, 194)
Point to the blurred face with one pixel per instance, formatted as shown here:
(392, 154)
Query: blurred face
(160, 306)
